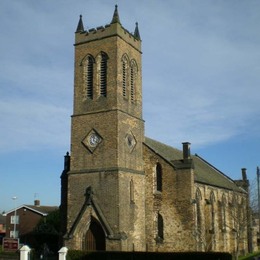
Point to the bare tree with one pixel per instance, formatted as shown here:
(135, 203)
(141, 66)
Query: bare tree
(229, 218)
(238, 226)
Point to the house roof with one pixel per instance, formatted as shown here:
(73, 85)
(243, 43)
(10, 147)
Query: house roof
(42, 210)
(204, 172)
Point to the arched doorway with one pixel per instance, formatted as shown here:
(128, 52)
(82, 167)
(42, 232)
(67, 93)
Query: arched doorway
(95, 237)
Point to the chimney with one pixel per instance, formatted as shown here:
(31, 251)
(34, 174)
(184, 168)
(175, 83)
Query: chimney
(67, 162)
(244, 176)
(186, 151)
(37, 203)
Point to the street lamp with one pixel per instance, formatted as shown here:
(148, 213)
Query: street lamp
(14, 198)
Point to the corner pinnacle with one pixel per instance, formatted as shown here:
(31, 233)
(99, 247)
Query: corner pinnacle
(136, 33)
(115, 18)
(80, 27)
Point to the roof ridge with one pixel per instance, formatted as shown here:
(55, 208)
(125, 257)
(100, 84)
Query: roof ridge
(32, 205)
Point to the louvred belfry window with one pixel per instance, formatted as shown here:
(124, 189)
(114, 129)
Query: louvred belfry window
(89, 77)
(124, 74)
(124, 79)
(88, 74)
(103, 75)
(133, 72)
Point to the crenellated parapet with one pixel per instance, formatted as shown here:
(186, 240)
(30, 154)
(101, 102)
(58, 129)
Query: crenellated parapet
(110, 30)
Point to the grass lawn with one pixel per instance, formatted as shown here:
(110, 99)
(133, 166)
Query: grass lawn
(249, 256)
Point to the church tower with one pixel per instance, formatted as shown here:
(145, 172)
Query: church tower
(103, 196)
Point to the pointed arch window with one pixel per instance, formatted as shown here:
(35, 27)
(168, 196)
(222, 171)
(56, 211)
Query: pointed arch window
(124, 75)
(212, 203)
(159, 177)
(242, 211)
(233, 212)
(102, 73)
(241, 217)
(131, 190)
(223, 213)
(88, 64)
(133, 75)
(198, 224)
(160, 227)
(198, 212)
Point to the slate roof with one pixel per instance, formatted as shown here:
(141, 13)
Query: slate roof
(204, 172)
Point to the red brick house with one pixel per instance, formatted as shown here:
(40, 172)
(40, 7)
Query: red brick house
(22, 220)
(2, 227)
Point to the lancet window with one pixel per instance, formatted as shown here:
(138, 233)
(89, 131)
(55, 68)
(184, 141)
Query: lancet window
(198, 212)
(223, 213)
(158, 177)
(131, 191)
(125, 66)
(133, 74)
(198, 224)
(233, 212)
(160, 226)
(102, 73)
(88, 76)
(212, 203)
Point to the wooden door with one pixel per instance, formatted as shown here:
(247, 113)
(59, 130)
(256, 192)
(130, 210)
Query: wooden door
(95, 238)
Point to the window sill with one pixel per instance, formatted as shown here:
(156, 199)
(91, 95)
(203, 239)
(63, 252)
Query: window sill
(157, 194)
(159, 240)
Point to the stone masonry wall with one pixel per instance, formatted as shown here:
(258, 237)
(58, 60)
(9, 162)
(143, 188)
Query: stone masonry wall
(224, 219)
(177, 213)
(114, 168)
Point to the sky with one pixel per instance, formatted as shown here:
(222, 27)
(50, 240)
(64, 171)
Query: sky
(201, 76)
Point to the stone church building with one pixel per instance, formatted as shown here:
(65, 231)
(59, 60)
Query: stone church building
(122, 191)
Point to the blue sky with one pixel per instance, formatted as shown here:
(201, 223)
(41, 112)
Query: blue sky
(201, 75)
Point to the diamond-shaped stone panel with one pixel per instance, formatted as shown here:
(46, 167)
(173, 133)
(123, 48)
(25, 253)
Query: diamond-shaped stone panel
(130, 141)
(92, 140)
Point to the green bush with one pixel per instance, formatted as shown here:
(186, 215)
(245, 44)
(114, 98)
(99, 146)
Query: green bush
(76, 254)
